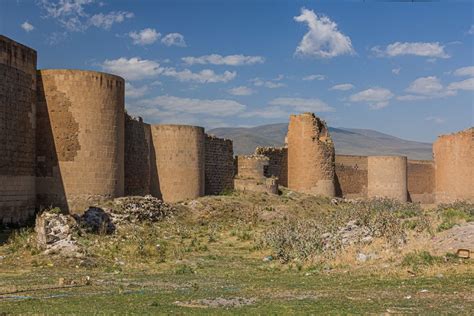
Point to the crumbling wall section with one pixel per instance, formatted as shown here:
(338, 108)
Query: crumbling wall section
(454, 166)
(387, 177)
(421, 181)
(219, 165)
(278, 163)
(351, 176)
(137, 156)
(80, 138)
(311, 154)
(251, 173)
(17, 131)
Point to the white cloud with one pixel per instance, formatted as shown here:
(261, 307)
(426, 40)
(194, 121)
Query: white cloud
(465, 71)
(268, 112)
(27, 26)
(426, 88)
(323, 39)
(218, 107)
(314, 77)
(342, 87)
(203, 76)
(271, 84)
(229, 60)
(241, 90)
(471, 30)
(377, 98)
(72, 15)
(396, 71)
(133, 68)
(434, 49)
(467, 84)
(303, 105)
(174, 39)
(144, 37)
(434, 119)
(133, 92)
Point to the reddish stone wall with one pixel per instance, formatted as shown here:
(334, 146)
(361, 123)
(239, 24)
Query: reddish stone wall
(278, 163)
(137, 156)
(387, 177)
(17, 131)
(219, 165)
(251, 166)
(351, 176)
(421, 181)
(454, 166)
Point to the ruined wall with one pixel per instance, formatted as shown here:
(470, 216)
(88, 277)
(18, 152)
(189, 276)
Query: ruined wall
(351, 176)
(387, 177)
(17, 131)
(310, 156)
(421, 181)
(137, 156)
(80, 152)
(179, 159)
(219, 165)
(278, 163)
(454, 166)
(251, 171)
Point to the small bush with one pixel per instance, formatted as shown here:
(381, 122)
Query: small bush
(183, 269)
(454, 213)
(419, 259)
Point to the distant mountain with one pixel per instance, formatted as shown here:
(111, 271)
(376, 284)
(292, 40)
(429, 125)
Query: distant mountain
(349, 141)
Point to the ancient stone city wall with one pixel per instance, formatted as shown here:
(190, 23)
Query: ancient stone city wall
(17, 131)
(219, 165)
(251, 171)
(351, 176)
(80, 138)
(387, 177)
(454, 166)
(421, 181)
(310, 156)
(179, 158)
(277, 164)
(137, 156)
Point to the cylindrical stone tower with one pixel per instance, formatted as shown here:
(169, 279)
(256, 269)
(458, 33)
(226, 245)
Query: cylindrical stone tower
(387, 177)
(17, 131)
(179, 158)
(454, 167)
(310, 156)
(80, 152)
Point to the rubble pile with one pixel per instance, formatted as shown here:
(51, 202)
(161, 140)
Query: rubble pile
(135, 209)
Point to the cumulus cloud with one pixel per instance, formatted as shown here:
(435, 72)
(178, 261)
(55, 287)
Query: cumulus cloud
(323, 39)
(314, 77)
(218, 107)
(426, 88)
(133, 92)
(203, 76)
(271, 84)
(133, 68)
(376, 97)
(105, 21)
(229, 60)
(465, 71)
(342, 87)
(144, 37)
(434, 49)
(27, 27)
(303, 105)
(174, 39)
(241, 90)
(467, 84)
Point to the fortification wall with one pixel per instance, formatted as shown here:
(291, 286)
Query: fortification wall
(310, 156)
(351, 176)
(219, 165)
(137, 156)
(278, 163)
(80, 152)
(251, 166)
(387, 177)
(17, 131)
(179, 159)
(421, 181)
(454, 166)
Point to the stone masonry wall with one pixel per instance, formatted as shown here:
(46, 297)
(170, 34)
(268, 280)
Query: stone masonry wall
(454, 166)
(17, 131)
(387, 177)
(137, 156)
(219, 165)
(278, 163)
(421, 181)
(251, 171)
(351, 176)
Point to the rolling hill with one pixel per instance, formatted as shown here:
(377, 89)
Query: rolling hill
(351, 141)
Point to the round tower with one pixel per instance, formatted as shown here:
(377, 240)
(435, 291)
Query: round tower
(310, 156)
(80, 137)
(387, 177)
(179, 158)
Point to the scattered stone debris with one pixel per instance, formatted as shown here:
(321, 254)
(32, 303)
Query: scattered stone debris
(134, 209)
(459, 237)
(96, 220)
(218, 302)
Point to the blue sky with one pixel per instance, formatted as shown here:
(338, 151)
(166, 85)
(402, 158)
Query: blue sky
(406, 69)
